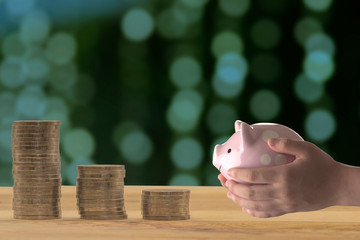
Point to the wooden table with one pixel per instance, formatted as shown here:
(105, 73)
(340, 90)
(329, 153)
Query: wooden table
(213, 216)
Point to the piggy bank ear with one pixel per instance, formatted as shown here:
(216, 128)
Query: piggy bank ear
(237, 125)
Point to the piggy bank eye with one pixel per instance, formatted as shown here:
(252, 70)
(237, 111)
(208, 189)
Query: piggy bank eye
(229, 150)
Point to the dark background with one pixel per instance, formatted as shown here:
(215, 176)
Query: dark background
(130, 82)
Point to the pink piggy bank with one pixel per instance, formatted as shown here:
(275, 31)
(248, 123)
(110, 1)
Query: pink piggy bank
(248, 148)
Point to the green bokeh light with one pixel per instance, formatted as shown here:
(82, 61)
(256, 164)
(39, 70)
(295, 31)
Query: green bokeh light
(234, 8)
(194, 4)
(307, 90)
(31, 103)
(231, 70)
(35, 27)
(185, 72)
(19, 7)
(12, 72)
(61, 48)
(320, 125)
(36, 65)
(5, 137)
(185, 13)
(265, 105)
(13, 46)
(8, 103)
(185, 110)
(187, 154)
(319, 66)
(318, 5)
(78, 143)
(321, 42)
(137, 25)
(169, 26)
(63, 78)
(226, 42)
(136, 147)
(305, 28)
(184, 179)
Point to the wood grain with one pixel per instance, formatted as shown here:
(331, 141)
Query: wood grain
(213, 216)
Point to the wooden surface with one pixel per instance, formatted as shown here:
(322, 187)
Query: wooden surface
(213, 216)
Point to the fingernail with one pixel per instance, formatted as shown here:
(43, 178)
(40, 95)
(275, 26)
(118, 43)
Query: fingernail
(227, 183)
(229, 195)
(273, 141)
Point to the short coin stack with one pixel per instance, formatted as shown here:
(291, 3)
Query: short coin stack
(100, 192)
(36, 169)
(165, 204)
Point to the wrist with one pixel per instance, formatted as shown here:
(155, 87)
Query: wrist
(349, 187)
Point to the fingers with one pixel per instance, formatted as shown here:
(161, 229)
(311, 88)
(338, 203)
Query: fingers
(260, 214)
(288, 146)
(258, 206)
(251, 192)
(266, 175)
(222, 179)
(260, 209)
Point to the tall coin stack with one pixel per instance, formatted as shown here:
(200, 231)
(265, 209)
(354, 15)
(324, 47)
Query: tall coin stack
(165, 204)
(100, 192)
(36, 169)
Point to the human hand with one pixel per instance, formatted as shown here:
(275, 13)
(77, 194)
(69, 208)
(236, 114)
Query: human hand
(311, 182)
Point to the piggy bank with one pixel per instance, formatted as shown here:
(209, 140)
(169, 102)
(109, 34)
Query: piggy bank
(248, 148)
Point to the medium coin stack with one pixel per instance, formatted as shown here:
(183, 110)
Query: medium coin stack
(36, 169)
(165, 204)
(100, 192)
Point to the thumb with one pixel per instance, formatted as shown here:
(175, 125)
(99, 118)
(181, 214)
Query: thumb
(288, 146)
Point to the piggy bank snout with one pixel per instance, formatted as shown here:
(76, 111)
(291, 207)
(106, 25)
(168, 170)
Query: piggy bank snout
(216, 162)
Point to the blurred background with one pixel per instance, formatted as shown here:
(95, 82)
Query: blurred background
(156, 84)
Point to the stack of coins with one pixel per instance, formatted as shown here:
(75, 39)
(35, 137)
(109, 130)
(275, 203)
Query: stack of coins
(165, 204)
(36, 169)
(100, 192)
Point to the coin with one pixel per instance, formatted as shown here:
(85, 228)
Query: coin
(100, 180)
(36, 122)
(36, 208)
(175, 208)
(36, 169)
(53, 170)
(44, 167)
(99, 166)
(100, 185)
(34, 148)
(102, 175)
(102, 217)
(36, 135)
(103, 207)
(35, 201)
(165, 192)
(167, 218)
(35, 125)
(36, 217)
(165, 204)
(99, 200)
(40, 189)
(99, 194)
(32, 184)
